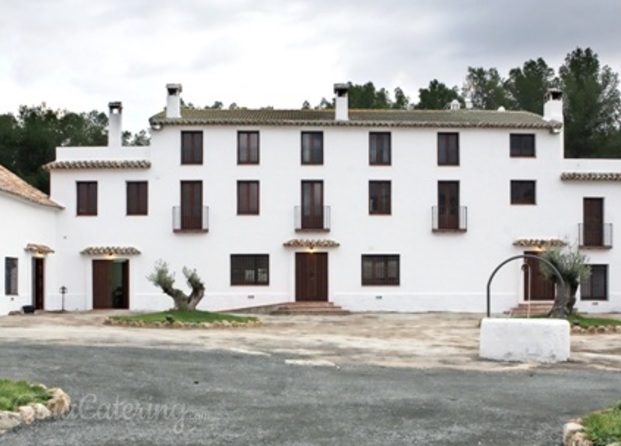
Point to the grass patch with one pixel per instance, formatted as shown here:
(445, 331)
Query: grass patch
(184, 316)
(20, 393)
(579, 320)
(603, 428)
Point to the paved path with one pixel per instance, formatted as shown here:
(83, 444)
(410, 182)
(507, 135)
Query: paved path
(227, 398)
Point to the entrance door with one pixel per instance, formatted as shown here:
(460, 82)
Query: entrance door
(110, 284)
(312, 205)
(593, 209)
(311, 276)
(536, 286)
(448, 204)
(38, 283)
(191, 205)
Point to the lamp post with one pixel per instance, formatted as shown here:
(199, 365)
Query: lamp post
(63, 291)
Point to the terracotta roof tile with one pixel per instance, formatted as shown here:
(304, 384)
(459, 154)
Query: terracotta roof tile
(110, 251)
(38, 249)
(539, 242)
(591, 176)
(367, 118)
(98, 164)
(14, 185)
(306, 243)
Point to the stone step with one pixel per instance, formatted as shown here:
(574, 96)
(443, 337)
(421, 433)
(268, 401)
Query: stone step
(319, 308)
(536, 308)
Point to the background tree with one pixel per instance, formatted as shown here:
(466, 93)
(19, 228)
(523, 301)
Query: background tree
(592, 104)
(437, 96)
(528, 85)
(487, 89)
(163, 278)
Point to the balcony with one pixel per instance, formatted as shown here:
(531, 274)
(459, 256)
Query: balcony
(447, 219)
(595, 235)
(191, 219)
(313, 219)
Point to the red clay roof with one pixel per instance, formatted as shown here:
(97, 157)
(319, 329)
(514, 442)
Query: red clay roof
(14, 185)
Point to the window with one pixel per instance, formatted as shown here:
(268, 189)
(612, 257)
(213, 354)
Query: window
(191, 147)
(10, 276)
(522, 145)
(248, 198)
(522, 192)
(247, 147)
(137, 198)
(250, 269)
(87, 198)
(379, 149)
(448, 149)
(379, 198)
(192, 213)
(595, 287)
(380, 269)
(312, 147)
(313, 214)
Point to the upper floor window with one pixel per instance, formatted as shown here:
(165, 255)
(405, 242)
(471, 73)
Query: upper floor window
(87, 198)
(137, 198)
(312, 148)
(448, 149)
(247, 147)
(523, 192)
(250, 269)
(595, 287)
(522, 145)
(380, 269)
(192, 147)
(10, 276)
(379, 198)
(248, 198)
(379, 149)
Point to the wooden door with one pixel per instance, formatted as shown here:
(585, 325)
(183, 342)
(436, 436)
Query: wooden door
(102, 284)
(448, 204)
(312, 205)
(536, 286)
(38, 283)
(311, 276)
(593, 228)
(191, 205)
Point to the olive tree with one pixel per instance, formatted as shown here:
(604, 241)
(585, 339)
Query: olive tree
(163, 278)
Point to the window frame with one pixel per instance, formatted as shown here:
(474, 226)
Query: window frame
(384, 207)
(246, 147)
(239, 273)
(86, 198)
(518, 150)
(380, 259)
(245, 197)
(446, 150)
(11, 276)
(515, 201)
(192, 154)
(380, 147)
(606, 277)
(137, 198)
(309, 156)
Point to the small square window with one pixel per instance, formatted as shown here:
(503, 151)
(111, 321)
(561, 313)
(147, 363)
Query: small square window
(250, 269)
(247, 147)
(137, 198)
(248, 198)
(379, 149)
(191, 147)
(595, 287)
(379, 198)
(87, 198)
(312, 148)
(522, 145)
(448, 149)
(523, 192)
(380, 269)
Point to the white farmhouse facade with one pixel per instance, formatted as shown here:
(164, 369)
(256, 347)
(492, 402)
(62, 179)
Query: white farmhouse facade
(373, 210)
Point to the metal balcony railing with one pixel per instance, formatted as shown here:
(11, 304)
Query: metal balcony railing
(193, 219)
(447, 219)
(313, 219)
(595, 235)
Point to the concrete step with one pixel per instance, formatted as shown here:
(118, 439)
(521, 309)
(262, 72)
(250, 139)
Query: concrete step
(319, 308)
(536, 308)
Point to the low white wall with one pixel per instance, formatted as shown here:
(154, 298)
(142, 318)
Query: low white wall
(541, 340)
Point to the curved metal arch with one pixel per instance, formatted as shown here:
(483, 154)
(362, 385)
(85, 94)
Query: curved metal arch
(521, 256)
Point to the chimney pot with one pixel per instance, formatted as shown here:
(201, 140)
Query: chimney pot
(553, 105)
(173, 101)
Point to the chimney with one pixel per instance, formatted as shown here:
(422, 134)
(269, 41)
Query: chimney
(455, 105)
(115, 129)
(342, 102)
(553, 105)
(173, 101)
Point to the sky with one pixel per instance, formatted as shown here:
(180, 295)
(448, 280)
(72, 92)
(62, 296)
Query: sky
(81, 54)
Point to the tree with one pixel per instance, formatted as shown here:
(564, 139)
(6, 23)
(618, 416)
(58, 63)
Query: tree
(529, 84)
(592, 103)
(163, 278)
(573, 268)
(486, 89)
(437, 96)
(141, 138)
(368, 97)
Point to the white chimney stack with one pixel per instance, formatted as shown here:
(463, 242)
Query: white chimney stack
(173, 101)
(115, 129)
(342, 102)
(553, 105)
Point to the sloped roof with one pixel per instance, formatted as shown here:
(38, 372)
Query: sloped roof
(14, 185)
(98, 164)
(591, 176)
(367, 118)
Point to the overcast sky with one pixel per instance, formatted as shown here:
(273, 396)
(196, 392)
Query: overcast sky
(81, 54)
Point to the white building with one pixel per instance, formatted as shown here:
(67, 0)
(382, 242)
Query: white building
(370, 209)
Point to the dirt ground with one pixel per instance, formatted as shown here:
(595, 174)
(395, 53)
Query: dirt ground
(429, 340)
